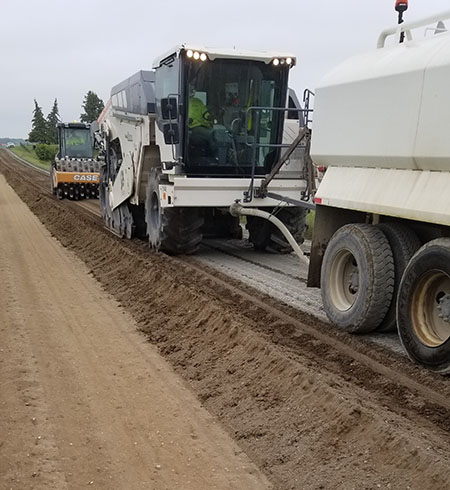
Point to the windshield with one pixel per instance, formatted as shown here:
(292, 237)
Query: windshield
(78, 143)
(223, 135)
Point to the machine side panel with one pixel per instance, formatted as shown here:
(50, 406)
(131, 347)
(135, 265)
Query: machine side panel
(133, 136)
(136, 94)
(212, 192)
(409, 194)
(432, 149)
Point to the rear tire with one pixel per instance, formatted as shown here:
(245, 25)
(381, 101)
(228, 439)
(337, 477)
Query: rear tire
(171, 230)
(357, 278)
(423, 306)
(265, 236)
(404, 244)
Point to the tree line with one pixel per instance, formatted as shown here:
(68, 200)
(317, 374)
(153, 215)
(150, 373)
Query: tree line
(43, 130)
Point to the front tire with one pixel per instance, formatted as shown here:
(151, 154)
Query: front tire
(423, 307)
(357, 278)
(171, 230)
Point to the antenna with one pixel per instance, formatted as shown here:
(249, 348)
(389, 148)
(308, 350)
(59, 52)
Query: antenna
(401, 6)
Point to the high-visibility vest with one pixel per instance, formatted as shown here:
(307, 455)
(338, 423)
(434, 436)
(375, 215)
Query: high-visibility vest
(197, 110)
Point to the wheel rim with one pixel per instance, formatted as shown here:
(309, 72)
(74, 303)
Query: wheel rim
(431, 308)
(344, 280)
(154, 211)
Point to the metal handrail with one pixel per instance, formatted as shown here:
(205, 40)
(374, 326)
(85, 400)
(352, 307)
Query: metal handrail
(408, 26)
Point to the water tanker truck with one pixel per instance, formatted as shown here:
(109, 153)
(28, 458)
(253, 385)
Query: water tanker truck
(381, 243)
(186, 139)
(381, 247)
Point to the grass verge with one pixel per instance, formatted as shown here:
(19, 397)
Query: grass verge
(28, 154)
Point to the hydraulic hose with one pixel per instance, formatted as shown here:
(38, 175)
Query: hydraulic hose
(237, 210)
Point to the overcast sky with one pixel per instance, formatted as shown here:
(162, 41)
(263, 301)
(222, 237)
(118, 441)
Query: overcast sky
(62, 49)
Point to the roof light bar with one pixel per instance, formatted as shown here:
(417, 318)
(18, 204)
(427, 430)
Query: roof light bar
(283, 61)
(197, 55)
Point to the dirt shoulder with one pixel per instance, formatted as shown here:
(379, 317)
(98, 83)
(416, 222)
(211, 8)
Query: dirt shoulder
(84, 399)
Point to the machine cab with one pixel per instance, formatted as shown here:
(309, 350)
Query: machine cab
(75, 141)
(219, 112)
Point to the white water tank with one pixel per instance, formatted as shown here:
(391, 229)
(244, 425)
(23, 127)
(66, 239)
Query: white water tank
(389, 108)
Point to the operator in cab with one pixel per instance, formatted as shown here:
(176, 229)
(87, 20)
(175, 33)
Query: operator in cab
(200, 125)
(73, 138)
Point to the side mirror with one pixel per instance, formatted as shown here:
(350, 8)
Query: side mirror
(169, 108)
(171, 133)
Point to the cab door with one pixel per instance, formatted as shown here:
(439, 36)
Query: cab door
(169, 127)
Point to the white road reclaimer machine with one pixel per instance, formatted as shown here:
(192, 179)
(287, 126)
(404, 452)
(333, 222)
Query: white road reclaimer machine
(200, 131)
(381, 246)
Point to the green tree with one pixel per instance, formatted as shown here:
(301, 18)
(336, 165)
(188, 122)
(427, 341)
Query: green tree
(92, 106)
(52, 120)
(38, 133)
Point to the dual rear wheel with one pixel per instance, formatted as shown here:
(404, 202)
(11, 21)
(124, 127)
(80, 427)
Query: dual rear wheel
(423, 306)
(378, 278)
